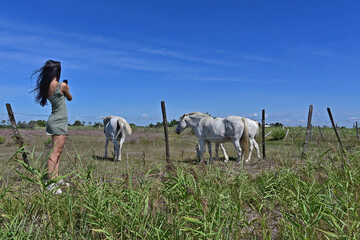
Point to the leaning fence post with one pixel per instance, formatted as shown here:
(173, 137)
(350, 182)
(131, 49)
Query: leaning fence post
(322, 136)
(16, 132)
(263, 133)
(163, 109)
(335, 129)
(287, 132)
(308, 130)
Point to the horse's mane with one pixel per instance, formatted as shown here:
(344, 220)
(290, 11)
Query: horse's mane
(195, 113)
(107, 119)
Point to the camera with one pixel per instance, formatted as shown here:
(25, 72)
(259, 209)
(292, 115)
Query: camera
(66, 81)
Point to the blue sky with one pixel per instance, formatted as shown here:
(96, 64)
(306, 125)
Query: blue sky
(222, 57)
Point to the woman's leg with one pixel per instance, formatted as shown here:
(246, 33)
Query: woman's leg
(58, 142)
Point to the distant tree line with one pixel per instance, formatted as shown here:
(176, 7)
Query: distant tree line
(24, 124)
(160, 124)
(77, 123)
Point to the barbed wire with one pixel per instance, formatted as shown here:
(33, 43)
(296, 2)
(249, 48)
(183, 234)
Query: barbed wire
(285, 122)
(83, 117)
(187, 138)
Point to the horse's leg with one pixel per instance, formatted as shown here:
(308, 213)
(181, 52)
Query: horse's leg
(236, 143)
(197, 147)
(198, 153)
(122, 140)
(201, 149)
(210, 152)
(106, 146)
(116, 149)
(256, 148)
(224, 152)
(251, 150)
(217, 151)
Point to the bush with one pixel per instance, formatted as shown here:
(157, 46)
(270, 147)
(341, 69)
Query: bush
(277, 124)
(2, 139)
(78, 123)
(278, 134)
(22, 124)
(47, 141)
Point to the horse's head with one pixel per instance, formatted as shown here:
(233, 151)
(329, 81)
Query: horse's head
(182, 124)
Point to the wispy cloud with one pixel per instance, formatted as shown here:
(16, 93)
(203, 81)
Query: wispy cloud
(257, 58)
(188, 57)
(353, 118)
(253, 115)
(220, 79)
(29, 48)
(27, 44)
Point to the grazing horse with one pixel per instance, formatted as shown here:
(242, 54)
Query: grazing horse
(115, 129)
(218, 130)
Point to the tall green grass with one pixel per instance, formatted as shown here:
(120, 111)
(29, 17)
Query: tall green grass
(318, 198)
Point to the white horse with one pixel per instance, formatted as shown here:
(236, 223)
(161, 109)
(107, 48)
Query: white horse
(219, 130)
(253, 131)
(115, 129)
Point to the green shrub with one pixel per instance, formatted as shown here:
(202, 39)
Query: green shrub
(2, 139)
(278, 134)
(41, 123)
(47, 141)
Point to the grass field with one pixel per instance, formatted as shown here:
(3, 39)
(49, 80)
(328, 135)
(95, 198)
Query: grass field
(142, 197)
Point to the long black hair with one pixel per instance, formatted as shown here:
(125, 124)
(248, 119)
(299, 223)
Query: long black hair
(51, 70)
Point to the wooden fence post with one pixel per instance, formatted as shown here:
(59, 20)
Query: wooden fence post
(308, 130)
(16, 132)
(263, 133)
(322, 136)
(335, 129)
(163, 109)
(287, 132)
(357, 131)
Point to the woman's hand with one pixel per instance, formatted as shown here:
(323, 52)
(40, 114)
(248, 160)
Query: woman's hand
(66, 91)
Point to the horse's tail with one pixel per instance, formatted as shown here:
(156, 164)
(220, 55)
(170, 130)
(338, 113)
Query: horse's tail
(245, 140)
(122, 123)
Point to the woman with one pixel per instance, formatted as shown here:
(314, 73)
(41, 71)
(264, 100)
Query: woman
(49, 87)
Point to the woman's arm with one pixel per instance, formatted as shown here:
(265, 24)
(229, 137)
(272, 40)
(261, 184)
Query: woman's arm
(66, 91)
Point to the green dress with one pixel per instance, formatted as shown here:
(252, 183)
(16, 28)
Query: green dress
(58, 120)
